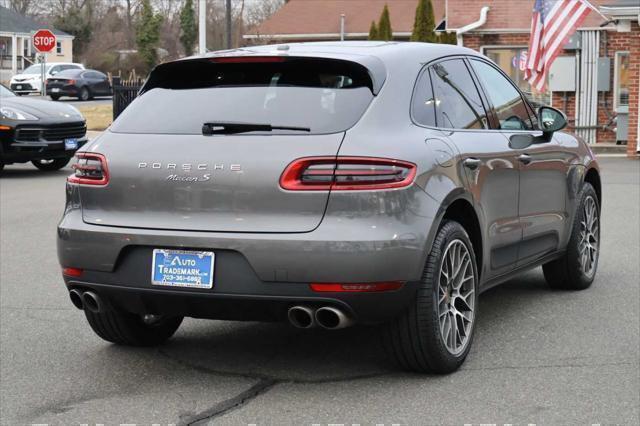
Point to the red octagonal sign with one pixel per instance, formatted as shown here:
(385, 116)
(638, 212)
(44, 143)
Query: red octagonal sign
(44, 41)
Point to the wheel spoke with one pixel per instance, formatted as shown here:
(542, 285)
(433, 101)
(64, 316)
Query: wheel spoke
(454, 331)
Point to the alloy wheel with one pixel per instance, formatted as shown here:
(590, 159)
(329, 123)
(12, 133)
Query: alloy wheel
(589, 245)
(456, 297)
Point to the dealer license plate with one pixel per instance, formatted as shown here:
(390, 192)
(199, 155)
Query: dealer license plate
(180, 268)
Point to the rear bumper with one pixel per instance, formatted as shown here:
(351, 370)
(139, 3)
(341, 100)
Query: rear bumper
(259, 275)
(53, 90)
(249, 301)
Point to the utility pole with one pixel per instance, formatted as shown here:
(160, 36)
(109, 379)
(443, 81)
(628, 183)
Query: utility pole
(202, 27)
(228, 18)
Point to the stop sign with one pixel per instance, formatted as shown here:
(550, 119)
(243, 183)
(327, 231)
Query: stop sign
(44, 41)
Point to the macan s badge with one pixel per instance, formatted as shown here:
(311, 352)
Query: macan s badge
(188, 167)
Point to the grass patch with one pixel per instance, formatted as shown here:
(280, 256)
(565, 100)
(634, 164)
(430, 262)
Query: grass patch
(99, 117)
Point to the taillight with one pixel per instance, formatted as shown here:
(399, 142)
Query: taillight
(356, 287)
(347, 174)
(89, 169)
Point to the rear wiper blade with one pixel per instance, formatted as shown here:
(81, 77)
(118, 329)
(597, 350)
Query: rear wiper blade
(228, 128)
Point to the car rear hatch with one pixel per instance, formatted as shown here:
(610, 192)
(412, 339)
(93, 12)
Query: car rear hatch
(186, 154)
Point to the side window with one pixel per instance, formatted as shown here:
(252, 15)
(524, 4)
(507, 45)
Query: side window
(423, 105)
(457, 101)
(55, 70)
(511, 110)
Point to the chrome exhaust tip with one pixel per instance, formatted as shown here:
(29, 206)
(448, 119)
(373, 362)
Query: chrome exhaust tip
(92, 302)
(301, 317)
(332, 318)
(76, 298)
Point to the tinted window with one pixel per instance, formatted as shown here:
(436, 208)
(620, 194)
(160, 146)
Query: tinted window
(457, 101)
(325, 96)
(96, 75)
(424, 105)
(510, 108)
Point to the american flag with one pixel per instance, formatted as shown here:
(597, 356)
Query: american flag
(552, 24)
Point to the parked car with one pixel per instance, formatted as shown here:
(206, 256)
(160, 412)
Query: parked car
(327, 184)
(43, 132)
(82, 84)
(30, 80)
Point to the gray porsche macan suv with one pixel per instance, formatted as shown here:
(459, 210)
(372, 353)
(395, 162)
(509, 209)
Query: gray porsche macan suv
(327, 184)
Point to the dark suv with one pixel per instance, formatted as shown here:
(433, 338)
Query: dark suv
(43, 132)
(327, 184)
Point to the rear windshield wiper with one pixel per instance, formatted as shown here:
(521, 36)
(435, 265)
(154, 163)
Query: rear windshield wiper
(228, 128)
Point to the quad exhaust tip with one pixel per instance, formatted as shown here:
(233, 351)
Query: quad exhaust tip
(301, 317)
(332, 318)
(326, 317)
(76, 298)
(92, 302)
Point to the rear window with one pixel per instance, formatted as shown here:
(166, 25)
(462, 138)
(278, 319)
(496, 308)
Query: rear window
(323, 95)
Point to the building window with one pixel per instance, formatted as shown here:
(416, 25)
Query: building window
(59, 47)
(621, 88)
(512, 60)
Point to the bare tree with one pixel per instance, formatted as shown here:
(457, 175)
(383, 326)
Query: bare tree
(259, 11)
(23, 7)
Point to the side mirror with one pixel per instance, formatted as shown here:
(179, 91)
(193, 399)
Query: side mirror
(551, 120)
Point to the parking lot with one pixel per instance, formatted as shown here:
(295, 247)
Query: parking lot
(540, 356)
(100, 100)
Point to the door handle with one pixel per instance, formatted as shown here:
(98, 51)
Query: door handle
(524, 158)
(472, 163)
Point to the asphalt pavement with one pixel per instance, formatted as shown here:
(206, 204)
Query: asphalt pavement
(540, 356)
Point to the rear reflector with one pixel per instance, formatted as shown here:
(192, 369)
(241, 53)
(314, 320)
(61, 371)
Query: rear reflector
(72, 272)
(90, 169)
(347, 174)
(355, 287)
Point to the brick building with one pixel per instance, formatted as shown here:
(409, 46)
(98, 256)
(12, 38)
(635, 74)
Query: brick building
(595, 80)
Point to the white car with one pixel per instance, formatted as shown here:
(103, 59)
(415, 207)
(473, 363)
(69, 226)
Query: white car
(30, 80)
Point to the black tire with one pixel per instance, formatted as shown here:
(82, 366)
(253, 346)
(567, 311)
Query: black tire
(55, 97)
(414, 340)
(51, 165)
(84, 95)
(568, 272)
(123, 328)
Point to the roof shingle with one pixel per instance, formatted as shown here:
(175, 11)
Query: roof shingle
(13, 22)
(504, 14)
(323, 16)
